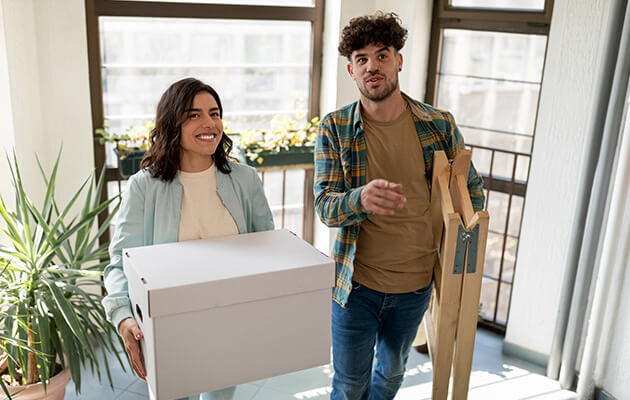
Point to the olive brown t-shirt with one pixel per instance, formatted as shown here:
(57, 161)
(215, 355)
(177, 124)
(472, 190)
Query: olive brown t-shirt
(395, 253)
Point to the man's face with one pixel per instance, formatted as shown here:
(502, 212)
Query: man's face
(375, 68)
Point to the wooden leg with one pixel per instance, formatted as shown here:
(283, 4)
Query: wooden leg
(448, 306)
(467, 325)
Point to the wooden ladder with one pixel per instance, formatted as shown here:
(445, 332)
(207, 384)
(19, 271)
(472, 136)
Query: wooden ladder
(460, 233)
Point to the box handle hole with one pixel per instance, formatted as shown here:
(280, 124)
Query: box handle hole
(139, 311)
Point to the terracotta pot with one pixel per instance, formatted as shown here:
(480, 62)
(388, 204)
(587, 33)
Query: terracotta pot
(55, 390)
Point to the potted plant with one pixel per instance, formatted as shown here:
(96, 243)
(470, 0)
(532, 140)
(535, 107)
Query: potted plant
(284, 144)
(50, 326)
(130, 146)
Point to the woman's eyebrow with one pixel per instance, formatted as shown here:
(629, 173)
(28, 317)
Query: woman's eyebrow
(199, 110)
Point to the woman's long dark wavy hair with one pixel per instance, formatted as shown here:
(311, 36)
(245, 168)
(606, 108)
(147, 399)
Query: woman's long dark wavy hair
(162, 158)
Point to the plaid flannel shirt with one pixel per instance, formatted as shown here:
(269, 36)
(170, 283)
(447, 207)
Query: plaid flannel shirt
(340, 174)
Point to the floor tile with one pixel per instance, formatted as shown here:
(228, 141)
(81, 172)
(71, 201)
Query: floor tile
(241, 392)
(272, 394)
(92, 392)
(131, 396)
(302, 381)
(138, 386)
(530, 386)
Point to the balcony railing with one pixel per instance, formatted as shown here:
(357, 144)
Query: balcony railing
(505, 184)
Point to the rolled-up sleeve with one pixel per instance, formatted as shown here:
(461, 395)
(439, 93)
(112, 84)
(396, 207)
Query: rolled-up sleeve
(335, 205)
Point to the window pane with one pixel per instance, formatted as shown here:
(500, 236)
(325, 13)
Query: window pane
(488, 298)
(288, 3)
(501, 4)
(494, 106)
(490, 81)
(259, 68)
(493, 55)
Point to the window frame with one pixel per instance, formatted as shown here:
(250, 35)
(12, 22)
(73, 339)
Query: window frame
(446, 16)
(159, 9)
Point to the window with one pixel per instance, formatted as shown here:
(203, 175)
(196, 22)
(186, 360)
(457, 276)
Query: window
(486, 68)
(263, 58)
(296, 3)
(259, 68)
(501, 4)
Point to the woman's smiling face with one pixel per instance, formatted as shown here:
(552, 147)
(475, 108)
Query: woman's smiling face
(202, 128)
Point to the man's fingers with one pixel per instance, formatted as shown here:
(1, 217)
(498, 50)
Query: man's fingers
(380, 210)
(385, 184)
(388, 204)
(390, 195)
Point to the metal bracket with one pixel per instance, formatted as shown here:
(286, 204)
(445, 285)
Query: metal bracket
(466, 245)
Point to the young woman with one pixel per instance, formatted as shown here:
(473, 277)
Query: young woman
(187, 189)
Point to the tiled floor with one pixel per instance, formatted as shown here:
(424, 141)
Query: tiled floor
(494, 376)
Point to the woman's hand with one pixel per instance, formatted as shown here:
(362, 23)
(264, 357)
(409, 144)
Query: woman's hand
(131, 334)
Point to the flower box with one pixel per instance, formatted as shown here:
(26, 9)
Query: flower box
(270, 158)
(128, 161)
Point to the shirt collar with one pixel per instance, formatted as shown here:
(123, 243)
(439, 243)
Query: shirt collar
(414, 106)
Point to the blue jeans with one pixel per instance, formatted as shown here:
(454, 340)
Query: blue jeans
(389, 321)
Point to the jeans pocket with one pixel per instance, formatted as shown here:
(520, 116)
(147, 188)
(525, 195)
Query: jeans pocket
(423, 290)
(356, 286)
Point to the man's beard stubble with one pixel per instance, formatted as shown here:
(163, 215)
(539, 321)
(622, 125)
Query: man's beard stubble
(389, 89)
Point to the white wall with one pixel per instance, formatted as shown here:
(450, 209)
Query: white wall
(566, 101)
(64, 88)
(48, 91)
(22, 66)
(6, 114)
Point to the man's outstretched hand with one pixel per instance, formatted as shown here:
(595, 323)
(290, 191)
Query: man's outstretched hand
(382, 197)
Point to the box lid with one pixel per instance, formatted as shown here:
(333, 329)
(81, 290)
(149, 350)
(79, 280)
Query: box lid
(201, 274)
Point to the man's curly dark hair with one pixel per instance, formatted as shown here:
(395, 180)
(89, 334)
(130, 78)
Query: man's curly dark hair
(380, 28)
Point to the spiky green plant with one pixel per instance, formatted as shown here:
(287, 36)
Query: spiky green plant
(46, 316)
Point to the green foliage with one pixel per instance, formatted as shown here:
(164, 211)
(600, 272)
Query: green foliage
(283, 136)
(41, 289)
(134, 137)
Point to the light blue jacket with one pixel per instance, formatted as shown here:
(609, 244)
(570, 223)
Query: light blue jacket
(149, 214)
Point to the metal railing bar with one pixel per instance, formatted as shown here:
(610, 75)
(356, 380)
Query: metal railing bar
(284, 191)
(501, 233)
(235, 65)
(487, 78)
(501, 185)
(507, 225)
(495, 131)
(492, 278)
(225, 114)
(500, 150)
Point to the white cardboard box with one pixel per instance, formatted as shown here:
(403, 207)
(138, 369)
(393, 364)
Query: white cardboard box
(225, 311)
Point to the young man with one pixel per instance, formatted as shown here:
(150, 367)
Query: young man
(373, 169)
